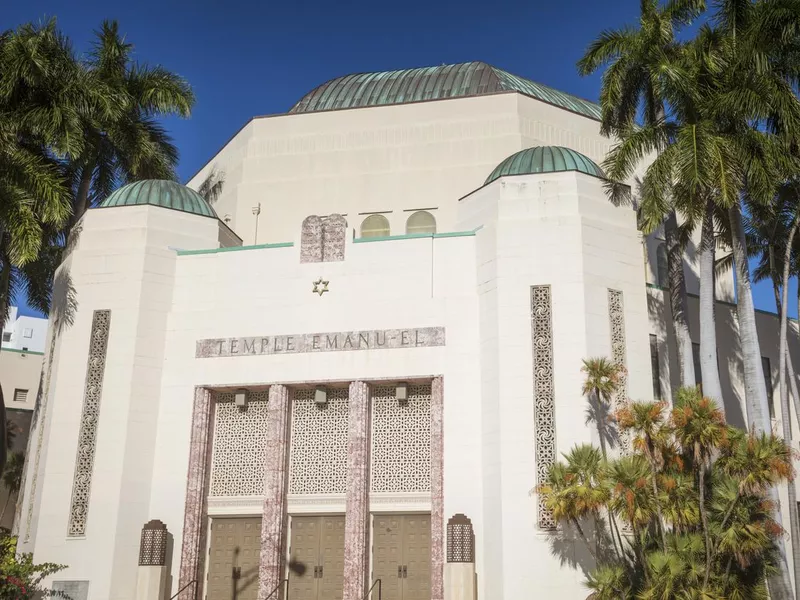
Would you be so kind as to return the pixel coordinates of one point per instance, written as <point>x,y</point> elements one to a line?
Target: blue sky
<point>246,58</point>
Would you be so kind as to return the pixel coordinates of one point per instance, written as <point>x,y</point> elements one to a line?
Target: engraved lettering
<point>378,340</point>
<point>290,344</point>
<point>251,347</point>
<point>363,338</point>
<point>219,350</point>
<point>417,341</point>
<point>275,345</point>
<point>234,346</point>
<point>404,338</point>
<point>348,343</point>
<point>315,342</point>
<point>332,342</point>
<point>264,345</point>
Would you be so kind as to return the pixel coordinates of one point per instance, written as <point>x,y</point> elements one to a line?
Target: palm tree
<point>123,140</point>
<point>602,380</point>
<point>700,430</point>
<point>12,478</point>
<point>211,187</point>
<point>636,60</point>
<point>575,489</point>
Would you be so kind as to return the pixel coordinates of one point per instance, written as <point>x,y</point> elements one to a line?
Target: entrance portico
<point>319,463</point>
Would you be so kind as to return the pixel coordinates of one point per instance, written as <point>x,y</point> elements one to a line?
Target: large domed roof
<point>545,159</point>
<point>433,83</point>
<point>159,192</point>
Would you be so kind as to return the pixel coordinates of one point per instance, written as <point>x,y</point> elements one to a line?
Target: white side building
<point>373,387</point>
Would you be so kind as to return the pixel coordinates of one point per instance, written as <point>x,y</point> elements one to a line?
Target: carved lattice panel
<point>460,540</point>
<point>318,452</point>
<point>239,450</point>
<point>616,318</point>
<point>544,411</point>
<point>87,434</point>
<point>153,544</point>
<point>401,440</point>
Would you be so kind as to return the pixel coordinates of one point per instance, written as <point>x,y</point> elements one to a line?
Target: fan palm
<point>636,60</point>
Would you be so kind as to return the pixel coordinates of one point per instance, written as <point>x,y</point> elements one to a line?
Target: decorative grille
<point>153,544</point>
<point>240,445</point>
<point>544,410</point>
<point>460,540</point>
<point>401,440</point>
<point>616,318</point>
<point>318,452</point>
<point>87,435</point>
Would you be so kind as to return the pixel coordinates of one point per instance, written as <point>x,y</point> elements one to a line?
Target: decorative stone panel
<point>87,434</point>
<point>334,230</point>
<point>616,319</point>
<point>544,408</point>
<point>460,540</point>
<point>311,240</point>
<point>401,440</point>
<point>153,544</point>
<point>75,590</point>
<point>318,455</point>
<point>240,441</point>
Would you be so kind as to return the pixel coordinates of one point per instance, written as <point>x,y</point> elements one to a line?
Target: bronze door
<point>317,543</point>
<point>401,556</point>
<point>234,558</point>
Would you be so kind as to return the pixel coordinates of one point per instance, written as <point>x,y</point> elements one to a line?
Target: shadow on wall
<point>571,551</point>
<point>728,352</point>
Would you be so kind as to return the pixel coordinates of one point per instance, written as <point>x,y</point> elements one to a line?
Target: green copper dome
<point>433,83</point>
<point>159,192</point>
<point>545,159</point>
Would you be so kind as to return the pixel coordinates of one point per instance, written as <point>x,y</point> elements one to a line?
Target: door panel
<point>317,542</point>
<point>401,556</point>
<point>417,557</point>
<point>304,548</point>
<point>386,555</point>
<point>235,543</point>
<point>331,585</point>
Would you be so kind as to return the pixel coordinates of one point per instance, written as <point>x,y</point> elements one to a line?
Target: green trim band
<point>414,236</point>
<point>22,351</point>
<point>235,249</point>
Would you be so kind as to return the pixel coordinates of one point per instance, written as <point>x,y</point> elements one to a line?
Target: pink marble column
<point>274,517</point>
<point>356,523</point>
<point>437,489</point>
<point>195,519</point>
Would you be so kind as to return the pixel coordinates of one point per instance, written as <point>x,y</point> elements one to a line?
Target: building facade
<point>360,383</point>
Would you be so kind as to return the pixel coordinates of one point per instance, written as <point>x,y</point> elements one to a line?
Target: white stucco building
<point>368,375</point>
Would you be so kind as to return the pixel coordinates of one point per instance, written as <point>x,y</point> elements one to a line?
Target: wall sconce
<point>402,392</point>
<point>240,398</point>
<point>321,395</point>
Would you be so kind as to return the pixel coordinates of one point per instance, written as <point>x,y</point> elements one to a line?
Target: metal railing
<point>192,582</point>
<point>277,587</point>
<point>369,591</point>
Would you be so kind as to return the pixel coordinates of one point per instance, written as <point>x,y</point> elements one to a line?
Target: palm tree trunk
<point>5,506</point>
<point>583,537</point>
<point>791,375</point>
<point>677,298</point>
<point>82,196</point>
<point>701,483</point>
<point>786,420</point>
<point>754,387</point>
<point>708,328</point>
<point>661,527</point>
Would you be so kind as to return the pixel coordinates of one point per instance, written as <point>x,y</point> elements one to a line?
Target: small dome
<point>160,192</point>
<point>545,159</point>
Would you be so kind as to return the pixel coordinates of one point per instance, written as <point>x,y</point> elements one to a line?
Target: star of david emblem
<point>320,286</point>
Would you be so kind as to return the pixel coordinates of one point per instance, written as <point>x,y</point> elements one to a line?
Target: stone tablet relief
<point>76,590</point>
<point>373,339</point>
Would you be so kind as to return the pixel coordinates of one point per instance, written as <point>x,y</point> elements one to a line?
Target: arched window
<point>662,267</point>
<point>375,226</point>
<point>421,222</point>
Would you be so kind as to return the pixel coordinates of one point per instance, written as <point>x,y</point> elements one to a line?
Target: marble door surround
<point>274,530</point>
